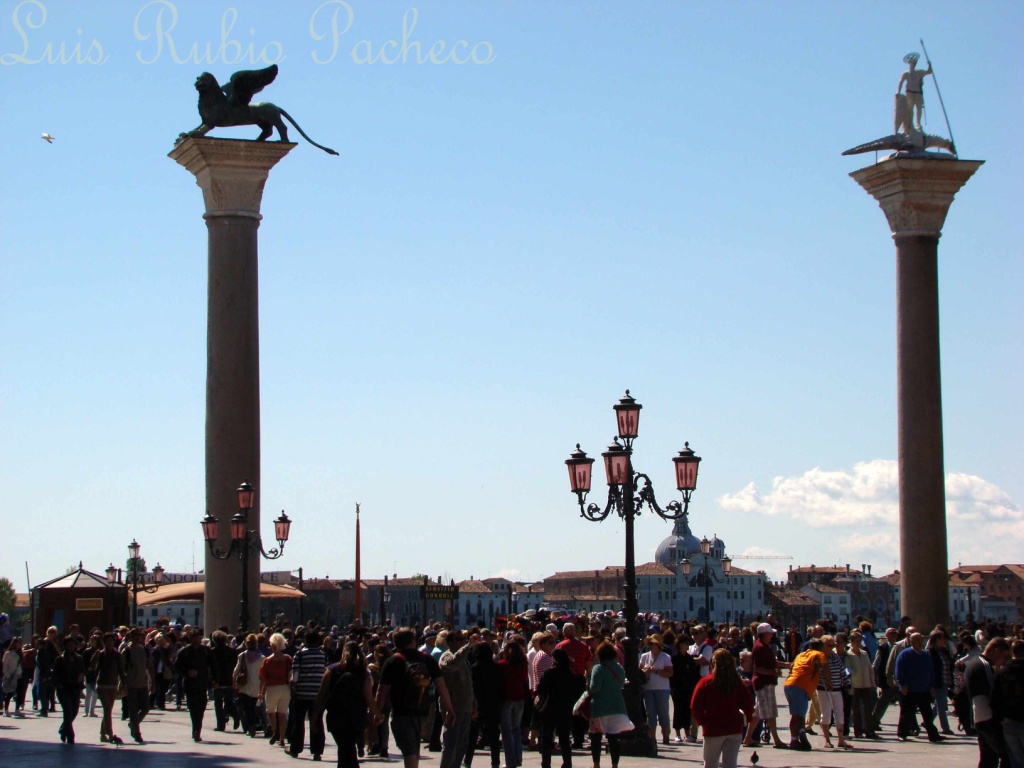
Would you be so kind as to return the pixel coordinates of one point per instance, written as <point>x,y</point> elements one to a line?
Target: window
<point>743,594</point>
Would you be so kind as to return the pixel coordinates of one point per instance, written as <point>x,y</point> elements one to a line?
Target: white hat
<point>765,627</point>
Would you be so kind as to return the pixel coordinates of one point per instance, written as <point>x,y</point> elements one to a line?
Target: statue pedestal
<point>231,174</point>
<point>915,195</point>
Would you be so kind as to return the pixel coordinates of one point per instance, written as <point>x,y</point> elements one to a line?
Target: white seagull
<point>47,138</point>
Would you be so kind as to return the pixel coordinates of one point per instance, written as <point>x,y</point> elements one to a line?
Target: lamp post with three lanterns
<point>133,578</point>
<point>245,541</point>
<point>627,500</point>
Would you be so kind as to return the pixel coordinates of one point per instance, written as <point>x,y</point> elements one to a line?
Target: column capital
<point>915,193</point>
<point>231,172</point>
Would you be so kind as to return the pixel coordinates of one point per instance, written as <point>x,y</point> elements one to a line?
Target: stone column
<point>231,174</point>
<point>915,195</point>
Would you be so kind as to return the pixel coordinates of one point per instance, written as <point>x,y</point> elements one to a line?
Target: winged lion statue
<point>229,105</point>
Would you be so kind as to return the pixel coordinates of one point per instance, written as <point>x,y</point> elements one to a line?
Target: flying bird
<point>47,138</point>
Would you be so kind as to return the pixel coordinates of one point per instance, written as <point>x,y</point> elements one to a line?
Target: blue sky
<point>622,195</point>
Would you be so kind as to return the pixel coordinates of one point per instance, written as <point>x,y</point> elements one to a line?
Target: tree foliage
<point>6,596</point>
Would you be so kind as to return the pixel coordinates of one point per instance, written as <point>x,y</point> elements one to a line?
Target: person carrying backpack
<point>405,681</point>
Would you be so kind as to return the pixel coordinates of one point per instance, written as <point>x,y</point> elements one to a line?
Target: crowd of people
<point>542,685</point>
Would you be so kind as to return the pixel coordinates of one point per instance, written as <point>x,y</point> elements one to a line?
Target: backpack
<point>419,688</point>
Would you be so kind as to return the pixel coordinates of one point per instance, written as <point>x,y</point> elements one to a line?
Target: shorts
<point>407,734</point>
<point>765,704</point>
<point>276,697</point>
<point>798,700</point>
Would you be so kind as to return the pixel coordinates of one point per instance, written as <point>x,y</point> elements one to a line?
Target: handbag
<point>582,706</point>
<point>122,690</point>
<point>240,677</point>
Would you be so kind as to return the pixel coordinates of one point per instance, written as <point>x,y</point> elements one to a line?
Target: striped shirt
<point>838,675</point>
<point>540,664</point>
<point>308,672</point>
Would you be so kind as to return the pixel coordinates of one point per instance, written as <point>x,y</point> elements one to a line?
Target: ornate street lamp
<point>245,541</point>
<point>133,578</point>
<point>627,500</point>
<point>706,574</point>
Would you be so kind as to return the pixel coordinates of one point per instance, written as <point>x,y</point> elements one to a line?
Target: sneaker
<point>677,740</point>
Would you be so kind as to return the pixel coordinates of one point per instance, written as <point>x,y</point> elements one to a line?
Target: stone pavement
<point>32,742</point>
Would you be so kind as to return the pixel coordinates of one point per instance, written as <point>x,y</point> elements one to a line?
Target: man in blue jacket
<point>915,676</point>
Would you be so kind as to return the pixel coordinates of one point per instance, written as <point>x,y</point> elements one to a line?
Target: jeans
<point>197,702</point>
<point>346,737</point>
<point>297,735</point>
<point>886,696</point>
<point>69,701</point>
<point>991,745</point>
<point>487,724</point>
<point>941,705</point>
<point>224,706</point>
<point>862,707</point>
<point>919,701</point>
<point>251,720</point>
<point>656,703</point>
<point>136,702</point>
<point>512,732</point>
<point>1013,732</point>
<point>90,699</point>
<point>46,697</point>
<point>722,750</point>
<point>454,741</point>
<point>107,696</point>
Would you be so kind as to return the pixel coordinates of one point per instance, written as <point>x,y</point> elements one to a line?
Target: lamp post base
<point>638,742</point>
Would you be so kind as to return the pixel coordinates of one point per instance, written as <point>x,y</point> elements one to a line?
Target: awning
<point>196,591</point>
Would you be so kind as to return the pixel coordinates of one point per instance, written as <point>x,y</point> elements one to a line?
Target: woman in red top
<point>717,703</point>
<point>515,681</point>
<point>275,688</point>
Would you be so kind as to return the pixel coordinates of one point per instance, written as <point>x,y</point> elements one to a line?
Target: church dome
<point>681,544</point>
<point>717,547</point>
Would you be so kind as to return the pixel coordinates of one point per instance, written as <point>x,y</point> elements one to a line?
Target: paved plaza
<point>32,742</point>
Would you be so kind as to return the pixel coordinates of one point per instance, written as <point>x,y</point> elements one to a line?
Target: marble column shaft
<point>915,195</point>
<point>231,174</point>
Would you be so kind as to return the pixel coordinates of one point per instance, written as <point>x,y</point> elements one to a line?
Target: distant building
<point>870,597</point>
<point>663,589</point>
<point>792,607</point>
<point>833,602</point>
<point>980,592</point>
<point>819,574</point>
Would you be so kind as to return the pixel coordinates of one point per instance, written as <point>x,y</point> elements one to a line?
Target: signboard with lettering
<point>439,592</point>
<point>89,604</point>
<point>267,577</point>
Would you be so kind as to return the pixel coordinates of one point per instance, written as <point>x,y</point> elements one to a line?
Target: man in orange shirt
<point>800,686</point>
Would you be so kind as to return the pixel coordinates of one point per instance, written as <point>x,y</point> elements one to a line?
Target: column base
<point>639,742</point>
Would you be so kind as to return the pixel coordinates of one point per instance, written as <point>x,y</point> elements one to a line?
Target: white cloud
<point>867,494</point>
<point>862,506</point>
